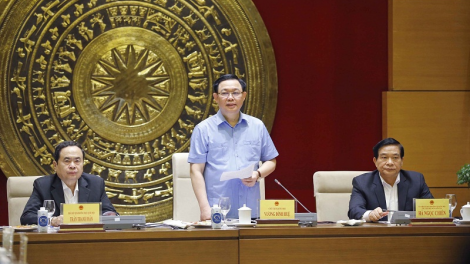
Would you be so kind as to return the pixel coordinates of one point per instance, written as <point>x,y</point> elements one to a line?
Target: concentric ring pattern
<point>129,80</point>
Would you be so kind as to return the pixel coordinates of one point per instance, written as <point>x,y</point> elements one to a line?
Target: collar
<point>221,119</point>
<point>397,181</point>
<point>65,187</point>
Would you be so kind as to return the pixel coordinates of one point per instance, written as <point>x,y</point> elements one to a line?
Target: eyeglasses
<point>67,161</point>
<point>227,94</point>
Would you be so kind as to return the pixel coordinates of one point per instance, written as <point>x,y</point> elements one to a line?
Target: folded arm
<point>358,205</point>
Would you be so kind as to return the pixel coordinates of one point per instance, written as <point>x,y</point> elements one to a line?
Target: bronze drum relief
<point>129,80</point>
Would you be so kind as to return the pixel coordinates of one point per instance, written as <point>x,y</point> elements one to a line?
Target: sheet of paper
<point>240,174</point>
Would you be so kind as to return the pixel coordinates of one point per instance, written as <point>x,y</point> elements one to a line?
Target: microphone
<point>291,195</point>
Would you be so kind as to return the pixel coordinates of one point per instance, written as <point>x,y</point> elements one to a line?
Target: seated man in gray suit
<point>68,185</point>
<point>389,187</point>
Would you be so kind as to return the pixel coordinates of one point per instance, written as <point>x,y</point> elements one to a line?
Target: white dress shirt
<point>69,197</point>
<point>391,196</point>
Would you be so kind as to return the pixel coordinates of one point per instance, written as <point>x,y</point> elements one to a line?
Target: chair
<point>185,205</point>
<point>332,191</point>
<point>19,189</point>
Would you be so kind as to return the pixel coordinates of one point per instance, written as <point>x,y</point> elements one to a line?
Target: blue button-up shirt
<point>225,148</point>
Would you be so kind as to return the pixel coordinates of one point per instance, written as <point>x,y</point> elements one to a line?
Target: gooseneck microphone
<point>291,195</point>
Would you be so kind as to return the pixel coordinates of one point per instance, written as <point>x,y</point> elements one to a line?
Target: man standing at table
<point>229,141</point>
<point>68,185</point>
<point>388,187</point>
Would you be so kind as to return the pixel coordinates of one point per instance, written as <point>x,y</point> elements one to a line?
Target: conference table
<point>325,243</point>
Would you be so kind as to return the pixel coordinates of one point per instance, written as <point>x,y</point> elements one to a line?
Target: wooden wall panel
<point>429,72</point>
<point>429,44</point>
<point>434,128</point>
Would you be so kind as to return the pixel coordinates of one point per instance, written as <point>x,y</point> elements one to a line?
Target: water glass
<point>452,203</point>
<point>49,205</point>
<point>8,234</point>
<point>23,249</point>
<point>224,204</point>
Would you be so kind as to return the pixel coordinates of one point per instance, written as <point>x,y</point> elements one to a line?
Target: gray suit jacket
<point>368,192</point>
<point>90,189</point>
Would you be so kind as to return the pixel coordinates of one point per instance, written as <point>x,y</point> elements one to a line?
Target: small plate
<point>25,228</point>
<point>463,222</point>
<point>352,222</point>
<point>244,225</point>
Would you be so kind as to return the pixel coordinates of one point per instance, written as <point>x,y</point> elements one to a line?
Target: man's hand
<point>206,214</point>
<point>109,213</point>
<point>376,214</point>
<point>57,220</point>
<point>251,181</point>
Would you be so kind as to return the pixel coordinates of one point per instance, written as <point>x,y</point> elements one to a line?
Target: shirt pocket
<point>218,149</point>
<point>217,145</point>
<point>252,149</point>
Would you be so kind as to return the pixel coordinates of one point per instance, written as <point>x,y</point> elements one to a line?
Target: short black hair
<point>386,142</point>
<point>65,144</point>
<point>228,77</point>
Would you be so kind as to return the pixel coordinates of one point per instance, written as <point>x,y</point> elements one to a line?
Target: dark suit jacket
<point>90,189</point>
<point>368,192</point>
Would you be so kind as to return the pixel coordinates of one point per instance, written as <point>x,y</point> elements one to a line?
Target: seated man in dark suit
<point>68,185</point>
<point>387,188</point>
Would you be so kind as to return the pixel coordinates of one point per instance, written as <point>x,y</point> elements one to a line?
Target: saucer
<point>203,224</point>
<point>25,228</point>
<point>351,222</point>
<point>463,222</point>
<point>244,225</point>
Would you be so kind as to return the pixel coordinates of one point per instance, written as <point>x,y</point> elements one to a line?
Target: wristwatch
<point>259,175</point>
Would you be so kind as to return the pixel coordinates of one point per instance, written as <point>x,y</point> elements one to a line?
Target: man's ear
<point>244,95</point>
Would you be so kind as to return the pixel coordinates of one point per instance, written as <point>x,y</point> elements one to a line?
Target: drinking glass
<point>7,243</point>
<point>452,203</point>
<point>23,249</point>
<point>49,205</point>
<point>224,204</point>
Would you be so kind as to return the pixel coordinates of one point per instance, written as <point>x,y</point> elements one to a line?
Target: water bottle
<point>216,217</point>
<point>42,220</point>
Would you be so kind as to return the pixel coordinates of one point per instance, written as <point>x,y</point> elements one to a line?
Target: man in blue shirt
<point>229,141</point>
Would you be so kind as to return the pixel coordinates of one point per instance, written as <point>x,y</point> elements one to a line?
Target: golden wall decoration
<point>129,80</point>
